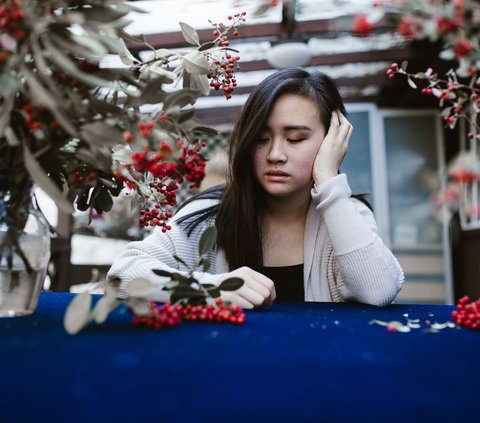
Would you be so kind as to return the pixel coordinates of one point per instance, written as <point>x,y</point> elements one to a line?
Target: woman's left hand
<point>333,149</point>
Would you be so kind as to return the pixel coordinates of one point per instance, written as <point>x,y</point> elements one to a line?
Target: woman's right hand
<point>257,290</point>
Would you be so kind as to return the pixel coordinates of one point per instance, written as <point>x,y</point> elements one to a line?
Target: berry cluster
<point>83,175</point>
<point>467,313</point>
<point>222,70</point>
<point>454,97</point>
<point>392,70</point>
<point>169,315</point>
<point>164,171</point>
<point>34,121</point>
<point>166,315</point>
<point>11,19</point>
<point>214,313</point>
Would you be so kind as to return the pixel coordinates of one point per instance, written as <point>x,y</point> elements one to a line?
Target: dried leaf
<point>103,307</point>
<point>43,181</point>
<point>196,62</point>
<point>139,287</point>
<point>11,137</point>
<point>378,322</point>
<point>200,83</point>
<point>102,133</point>
<point>126,57</point>
<point>411,83</point>
<point>77,315</point>
<point>189,33</point>
<point>179,99</point>
<point>139,306</point>
<point>205,130</point>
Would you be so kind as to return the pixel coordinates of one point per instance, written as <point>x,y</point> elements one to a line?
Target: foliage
<point>455,25</point>
<point>189,298</point>
<point>79,129</point>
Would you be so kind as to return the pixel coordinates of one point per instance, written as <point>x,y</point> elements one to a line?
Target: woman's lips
<point>276,175</point>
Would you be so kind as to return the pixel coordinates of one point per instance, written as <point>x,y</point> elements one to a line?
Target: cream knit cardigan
<point>344,258</point>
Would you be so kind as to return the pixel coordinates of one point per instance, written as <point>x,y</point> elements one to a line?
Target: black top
<point>288,281</point>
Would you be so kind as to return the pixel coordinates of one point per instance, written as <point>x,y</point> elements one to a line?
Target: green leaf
<point>206,46</point>
<point>188,292</point>
<point>161,272</point>
<point>404,65</point>
<point>101,199</point>
<point>205,264</point>
<point>207,240</point>
<point>182,279</point>
<point>82,200</point>
<point>43,181</point>
<point>231,284</point>
<point>180,260</point>
<point>189,33</point>
<point>214,293</point>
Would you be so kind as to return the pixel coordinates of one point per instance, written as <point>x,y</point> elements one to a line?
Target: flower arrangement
<point>79,129</point>
<point>454,24</point>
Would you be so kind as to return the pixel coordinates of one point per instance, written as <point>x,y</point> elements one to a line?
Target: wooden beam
<point>272,31</point>
<point>360,81</point>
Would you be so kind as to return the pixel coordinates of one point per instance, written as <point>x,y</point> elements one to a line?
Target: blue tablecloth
<point>307,362</point>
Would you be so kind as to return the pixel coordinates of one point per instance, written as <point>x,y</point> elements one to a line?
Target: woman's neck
<point>287,209</point>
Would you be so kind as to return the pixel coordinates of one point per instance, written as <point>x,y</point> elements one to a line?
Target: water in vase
<point>19,291</point>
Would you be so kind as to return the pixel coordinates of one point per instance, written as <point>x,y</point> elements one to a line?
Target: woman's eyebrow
<point>291,128</point>
<point>297,128</point>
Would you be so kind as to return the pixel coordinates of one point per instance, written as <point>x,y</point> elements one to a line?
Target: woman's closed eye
<point>263,139</point>
<point>296,139</point>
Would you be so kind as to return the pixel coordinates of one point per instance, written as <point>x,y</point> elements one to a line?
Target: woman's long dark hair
<point>240,212</point>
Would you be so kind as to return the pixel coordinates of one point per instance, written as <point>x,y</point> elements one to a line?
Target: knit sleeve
<point>367,270</point>
<point>159,251</point>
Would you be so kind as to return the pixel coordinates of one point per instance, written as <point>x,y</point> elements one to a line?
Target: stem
<point>12,236</point>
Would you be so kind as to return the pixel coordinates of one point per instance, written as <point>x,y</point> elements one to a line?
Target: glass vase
<point>24,251</point>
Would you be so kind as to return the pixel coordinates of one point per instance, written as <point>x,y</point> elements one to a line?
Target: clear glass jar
<point>24,252</point>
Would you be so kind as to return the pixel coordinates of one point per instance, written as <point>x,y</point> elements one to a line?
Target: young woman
<point>287,222</point>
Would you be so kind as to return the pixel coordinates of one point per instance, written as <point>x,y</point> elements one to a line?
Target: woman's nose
<point>276,152</point>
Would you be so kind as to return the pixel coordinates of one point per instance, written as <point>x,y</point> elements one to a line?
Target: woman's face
<point>284,155</point>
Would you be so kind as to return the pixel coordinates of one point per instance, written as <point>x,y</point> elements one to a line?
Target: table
<point>307,362</point>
